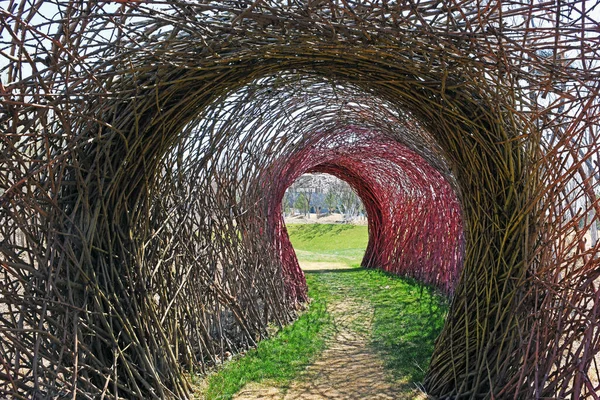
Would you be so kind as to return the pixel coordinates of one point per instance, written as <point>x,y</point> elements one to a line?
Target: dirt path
<point>347,369</point>
<point>321,266</point>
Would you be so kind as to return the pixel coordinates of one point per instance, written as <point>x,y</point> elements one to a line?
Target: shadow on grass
<point>404,332</point>
<point>407,316</point>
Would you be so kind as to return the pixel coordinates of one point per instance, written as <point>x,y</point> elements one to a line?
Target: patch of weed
<point>407,316</point>
<point>329,239</point>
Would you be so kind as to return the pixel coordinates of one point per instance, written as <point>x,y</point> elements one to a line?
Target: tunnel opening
<point>315,196</point>
<point>320,205</point>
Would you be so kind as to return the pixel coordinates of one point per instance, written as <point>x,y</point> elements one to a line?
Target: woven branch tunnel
<point>415,227</point>
<point>146,147</point>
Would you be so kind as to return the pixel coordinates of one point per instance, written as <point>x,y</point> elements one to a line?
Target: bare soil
<point>321,265</point>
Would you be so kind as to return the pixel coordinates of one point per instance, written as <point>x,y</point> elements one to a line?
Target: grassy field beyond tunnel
<point>336,243</point>
<point>395,320</point>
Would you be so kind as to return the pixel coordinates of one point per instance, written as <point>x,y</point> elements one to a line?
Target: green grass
<point>323,238</point>
<point>328,242</point>
<point>280,358</point>
<point>406,316</point>
<point>406,319</point>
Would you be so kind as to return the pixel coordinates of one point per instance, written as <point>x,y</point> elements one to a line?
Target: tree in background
<point>331,201</point>
<point>288,202</point>
<point>348,201</point>
<point>323,190</point>
<point>301,203</point>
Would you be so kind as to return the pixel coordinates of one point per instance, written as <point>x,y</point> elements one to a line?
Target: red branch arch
<point>415,225</point>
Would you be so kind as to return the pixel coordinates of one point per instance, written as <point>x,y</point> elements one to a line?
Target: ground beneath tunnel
<point>349,368</point>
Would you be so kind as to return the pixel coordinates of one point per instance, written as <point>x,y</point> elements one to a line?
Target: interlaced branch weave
<point>145,148</point>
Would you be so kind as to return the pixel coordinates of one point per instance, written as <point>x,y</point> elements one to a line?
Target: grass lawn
<point>327,242</point>
<point>406,316</point>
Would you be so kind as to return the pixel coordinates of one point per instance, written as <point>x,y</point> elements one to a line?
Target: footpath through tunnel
<point>376,330</point>
<point>145,149</point>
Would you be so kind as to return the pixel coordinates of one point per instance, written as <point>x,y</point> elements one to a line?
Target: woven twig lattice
<point>145,149</point>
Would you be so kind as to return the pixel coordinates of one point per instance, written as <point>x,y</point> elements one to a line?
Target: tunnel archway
<point>108,224</point>
<point>415,226</point>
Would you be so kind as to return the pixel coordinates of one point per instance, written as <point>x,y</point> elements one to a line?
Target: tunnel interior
<point>148,147</point>
<point>414,219</point>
